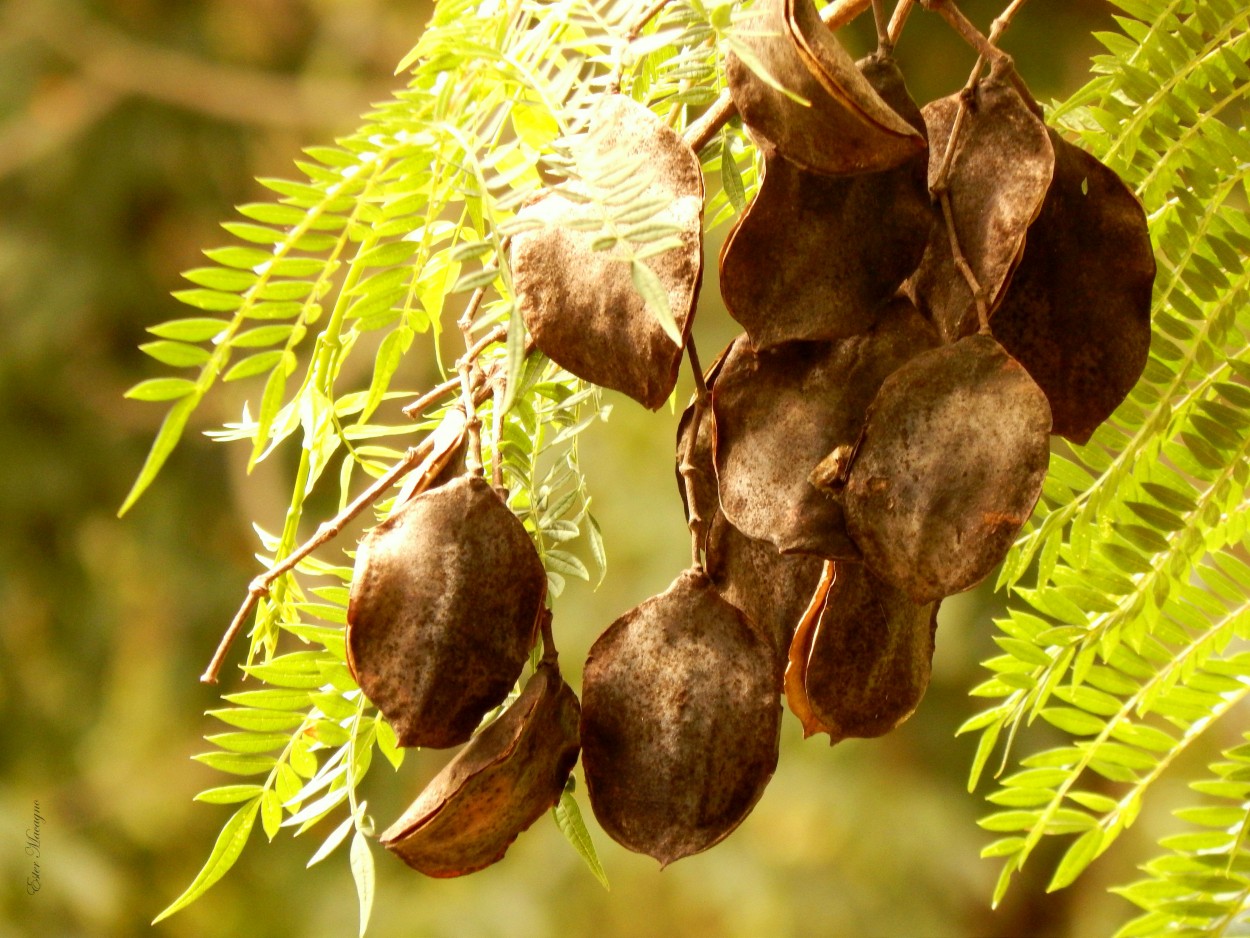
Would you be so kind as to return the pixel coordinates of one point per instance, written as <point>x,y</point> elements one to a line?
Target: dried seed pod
<point>1002,167</point>
<point>1077,312</point>
<point>845,127</point>
<point>444,603</point>
<point>582,306</point>
<point>779,412</point>
<point>497,786</point>
<point>861,667</point>
<point>950,465</point>
<point>771,588</point>
<point>680,721</point>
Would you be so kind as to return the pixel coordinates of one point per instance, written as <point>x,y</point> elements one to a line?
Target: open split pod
<point>443,612</point>
<point>584,307</point>
<point>680,721</point>
<point>952,460</point>
<point>781,411</point>
<point>496,787</point>
<point>841,125</point>
<point>861,659</point>
<point>815,257</point>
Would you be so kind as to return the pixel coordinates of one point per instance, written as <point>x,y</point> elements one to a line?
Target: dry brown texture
<point>779,412</point>
<point>998,180</point>
<point>847,128</point>
<point>1077,312</point>
<point>680,721</point>
<point>864,666</point>
<point>814,257</point>
<point>581,306</point>
<point>444,603</point>
<point>771,588</point>
<point>702,470</point>
<point>496,787</point>
<point>952,462</point>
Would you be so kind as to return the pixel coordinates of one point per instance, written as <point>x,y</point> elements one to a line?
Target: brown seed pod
<point>771,588</point>
<point>680,721</point>
<point>1002,167</point>
<point>779,412</point>
<point>582,306</point>
<point>1077,312</point>
<point>444,603</point>
<point>951,463</point>
<point>861,667</point>
<point>497,786</point>
<point>845,127</point>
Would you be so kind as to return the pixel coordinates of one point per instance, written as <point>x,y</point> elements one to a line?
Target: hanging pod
<point>1077,312</point>
<point>444,605</point>
<point>1002,167</point>
<point>781,411</point>
<point>771,588</point>
<point>496,787</point>
<point>951,463</point>
<point>860,667</point>
<point>815,257</point>
<point>584,307</point>
<point>841,125</point>
<point>680,721</point>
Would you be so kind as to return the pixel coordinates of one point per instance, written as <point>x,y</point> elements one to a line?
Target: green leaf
<point>1071,720</point>
<point>363,874</point>
<point>259,720</point>
<point>230,844</point>
<point>161,389</point>
<point>1080,855</point>
<point>731,176</point>
<point>236,763</point>
<point>568,818</point>
<point>254,365</point>
<point>271,813</point>
<point>331,843</point>
<point>176,354</point>
<point>166,439</point>
<point>213,301</point>
<point>656,297</point>
<point>229,794</point>
<point>189,330</point>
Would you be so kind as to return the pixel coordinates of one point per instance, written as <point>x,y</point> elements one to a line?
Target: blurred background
<point>128,130</point>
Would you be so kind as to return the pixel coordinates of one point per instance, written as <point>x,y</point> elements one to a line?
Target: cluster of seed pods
<point>927,295</point>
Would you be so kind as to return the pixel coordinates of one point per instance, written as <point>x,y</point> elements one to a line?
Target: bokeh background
<point>128,130</point>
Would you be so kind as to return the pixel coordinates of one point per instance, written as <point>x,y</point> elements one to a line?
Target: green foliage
<point>1131,593</point>
<point>390,232</point>
<point>1130,588</point>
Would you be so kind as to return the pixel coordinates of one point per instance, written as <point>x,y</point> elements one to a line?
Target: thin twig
<point>499,390</point>
<point>899,19</point>
<point>430,455</point>
<point>940,188</point>
<point>439,391</point>
<point>687,466</point>
<point>884,46</point>
<point>700,133</point>
<point>470,375</point>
